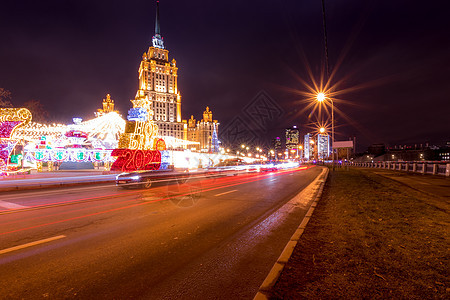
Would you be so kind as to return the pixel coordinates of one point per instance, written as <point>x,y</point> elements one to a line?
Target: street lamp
<point>321,97</point>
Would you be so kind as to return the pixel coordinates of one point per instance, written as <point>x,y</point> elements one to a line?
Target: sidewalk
<point>371,237</point>
<point>46,179</point>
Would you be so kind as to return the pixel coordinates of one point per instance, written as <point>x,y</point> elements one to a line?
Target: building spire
<point>157,29</point>
<point>157,39</point>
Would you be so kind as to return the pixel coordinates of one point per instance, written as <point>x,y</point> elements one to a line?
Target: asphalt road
<point>210,238</point>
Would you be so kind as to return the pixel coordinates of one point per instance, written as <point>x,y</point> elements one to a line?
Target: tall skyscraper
<point>158,86</point>
<point>292,138</point>
<point>292,141</point>
<point>159,95</point>
<point>276,144</point>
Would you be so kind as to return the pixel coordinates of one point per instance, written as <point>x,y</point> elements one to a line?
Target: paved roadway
<point>210,238</point>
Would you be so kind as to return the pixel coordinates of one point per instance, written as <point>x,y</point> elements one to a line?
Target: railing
<point>427,167</point>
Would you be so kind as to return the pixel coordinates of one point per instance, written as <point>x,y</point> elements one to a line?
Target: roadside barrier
<point>425,167</point>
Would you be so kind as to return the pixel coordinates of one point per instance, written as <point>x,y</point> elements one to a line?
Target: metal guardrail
<point>433,168</point>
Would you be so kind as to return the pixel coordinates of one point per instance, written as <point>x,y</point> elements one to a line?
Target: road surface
<point>210,238</point>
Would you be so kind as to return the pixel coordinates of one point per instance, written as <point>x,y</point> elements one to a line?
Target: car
<point>146,179</point>
<point>268,167</point>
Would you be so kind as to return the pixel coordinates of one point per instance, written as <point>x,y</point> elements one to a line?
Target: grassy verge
<point>370,238</point>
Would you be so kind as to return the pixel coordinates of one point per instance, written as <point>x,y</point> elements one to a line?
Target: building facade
<point>204,132</point>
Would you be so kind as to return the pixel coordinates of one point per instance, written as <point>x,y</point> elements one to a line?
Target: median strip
<point>31,244</point>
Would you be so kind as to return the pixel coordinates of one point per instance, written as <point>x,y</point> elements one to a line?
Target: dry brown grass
<point>370,238</point>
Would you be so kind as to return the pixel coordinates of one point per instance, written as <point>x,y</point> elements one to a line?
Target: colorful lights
<point>10,120</point>
<point>71,154</point>
<point>132,160</point>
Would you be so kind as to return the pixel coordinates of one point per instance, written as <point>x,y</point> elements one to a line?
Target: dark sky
<point>69,54</point>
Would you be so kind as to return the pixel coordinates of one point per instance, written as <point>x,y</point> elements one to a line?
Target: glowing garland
<point>132,160</point>
<point>10,120</point>
<point>72,154</point>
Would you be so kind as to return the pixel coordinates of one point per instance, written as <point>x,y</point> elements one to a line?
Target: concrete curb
<point>51,185</point>
<point>275,272</point>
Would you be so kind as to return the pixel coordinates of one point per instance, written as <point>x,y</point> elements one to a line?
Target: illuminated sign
<point>132,160</point>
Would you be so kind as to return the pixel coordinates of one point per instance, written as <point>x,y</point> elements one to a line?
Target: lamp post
<point>321,97</point>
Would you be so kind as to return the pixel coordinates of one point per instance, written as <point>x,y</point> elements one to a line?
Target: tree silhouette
<point>5,98</point>
<point>39,113</point>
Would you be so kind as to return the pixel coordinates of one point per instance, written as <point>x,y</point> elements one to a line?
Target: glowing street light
<point>321,97</point>
<point>322,130</point>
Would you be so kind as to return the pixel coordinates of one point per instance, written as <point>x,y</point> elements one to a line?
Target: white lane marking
<point>31,244</point>
<point>226,193</point>
<point>10,205</point>
<point>273,179</point>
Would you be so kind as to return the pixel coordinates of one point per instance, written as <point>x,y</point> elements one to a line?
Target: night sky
<point>70,54</point>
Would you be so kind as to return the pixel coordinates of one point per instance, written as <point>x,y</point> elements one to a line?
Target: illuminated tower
<point>292,141</point>
<point>323,146</point>
<point>158,86</point>
<point>108,106</point>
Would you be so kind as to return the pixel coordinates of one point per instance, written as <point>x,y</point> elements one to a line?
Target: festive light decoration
<point>71,154</point>
<point>139,147</point>
<point>140,130</point>
<point>34,131</point>
<point>10,120</point>
<point>105,130</point>
<point>132,160</point>
<point>137,114</point>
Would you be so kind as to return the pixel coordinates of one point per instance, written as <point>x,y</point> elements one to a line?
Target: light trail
<point>255,178</point>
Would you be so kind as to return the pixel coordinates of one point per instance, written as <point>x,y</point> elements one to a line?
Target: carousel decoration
<point>10,120</point>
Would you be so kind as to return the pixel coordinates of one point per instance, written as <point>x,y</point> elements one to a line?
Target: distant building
<point>204,132</point>
<point>277,147</point>
<point>376,149</point>
<point>308,146</point>
<point>292,138</point>
<point>292,141</point>
<point>108,106</point>
<point>416,152</point>
<point>323,146</point>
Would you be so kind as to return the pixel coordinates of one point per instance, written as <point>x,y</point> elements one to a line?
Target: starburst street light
<point>321,97</point>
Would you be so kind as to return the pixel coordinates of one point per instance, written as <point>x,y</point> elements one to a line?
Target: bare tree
<point>5,98</point>
<point>39,113</point>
